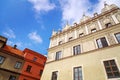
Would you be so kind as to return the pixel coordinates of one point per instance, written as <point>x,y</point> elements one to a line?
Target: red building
<point>33,65</point>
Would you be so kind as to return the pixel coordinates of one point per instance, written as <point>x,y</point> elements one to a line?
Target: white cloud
<point>42,5</point>
<point>100,5</point>
<point>9,33</point>
<point>72,10</point>
<point>35,37</point>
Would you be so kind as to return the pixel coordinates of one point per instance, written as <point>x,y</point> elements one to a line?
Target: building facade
<point>88,50</point>
<point>16,64</point>
<point>33,66</point>
<point>10,63</point>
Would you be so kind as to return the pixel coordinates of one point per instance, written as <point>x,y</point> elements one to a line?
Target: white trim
<point>96,45</point>
<point>86,29</point>
<point>115,19</point>
<point>99,24</point>
<point>106,78</point>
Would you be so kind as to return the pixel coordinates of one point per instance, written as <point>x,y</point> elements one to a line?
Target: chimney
<point>15,46</point>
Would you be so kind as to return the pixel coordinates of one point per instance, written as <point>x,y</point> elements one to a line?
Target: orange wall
<point>35,70</point>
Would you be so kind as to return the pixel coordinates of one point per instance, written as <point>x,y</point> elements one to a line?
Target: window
<point>117,35</point>
<point>78,73</point>
<point>102,42</point>
<point>108,25</point>
<point>58,55</point>
<point>111,69</point>
<point>28,68</point>
<point>54,75</point>
<point>41,71</point>
<point>60,42</point>
<point>81,34</point>
<point>12,77</point>
<point>70,38</point>
<point>76,50</point>
<point>18,65</point>
<point>2,59</point>
<point>93,30</point>
<point>34,59</point>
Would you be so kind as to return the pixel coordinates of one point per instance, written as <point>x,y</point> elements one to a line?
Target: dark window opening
<point>54,75</point>
<point>102,42</point>
<point>117,35</point>
<point>111,69</point>
<point>28,69</point>
<point>76,50</point>
<point>108,25</point>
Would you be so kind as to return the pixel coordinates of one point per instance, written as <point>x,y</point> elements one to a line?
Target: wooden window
<point>18,64</point>
<point>93,30</point>
<point>111,69</point>
<point>102,42</point>
<point>2,59</point>
<point>34,59</point>
<point>12,77</point>
<point>81,34</point>
<point>58,55</point>
<point>78,73</point>
<point>28,69</point>
<point>54,75</point>
<point>76,50</point>
<point>108,25</point>
<point>117,35</point>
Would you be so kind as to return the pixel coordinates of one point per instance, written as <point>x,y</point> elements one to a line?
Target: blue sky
<point>29,23</point>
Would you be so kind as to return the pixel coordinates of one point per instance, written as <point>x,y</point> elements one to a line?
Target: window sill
<point>114,78</point>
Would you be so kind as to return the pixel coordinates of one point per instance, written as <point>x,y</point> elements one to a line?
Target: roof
<point>13,50</point>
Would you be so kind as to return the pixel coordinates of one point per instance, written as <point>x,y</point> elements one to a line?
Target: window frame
<point>110,67</point>
<point>2,59</point>
<point>18,65</point>
<point>12,76</point>
<point>34,58</point>
<point>58,55</point>
<point>81,34</point>
<point>79,77</point>
<point>93,30</point>
<point>53,73</point>
<point>28,69</point>
<point>107,25</point>
<point>76,50</point>
<point>116,36</point>
<point>100,43</point>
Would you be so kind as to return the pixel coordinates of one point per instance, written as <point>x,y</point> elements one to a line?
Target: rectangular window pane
<point>18,64</point>
<point>2,59</point>
<point>54,75</point>
<point>118,37</point>
<point>58,55</point>
<point>76,50</point>
<point>78,73</point>
<point>111,69</point>
<point>102,42</point>
<point>28,69</point>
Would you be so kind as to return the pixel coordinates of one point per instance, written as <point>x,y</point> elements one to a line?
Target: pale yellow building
<point>89,50</point>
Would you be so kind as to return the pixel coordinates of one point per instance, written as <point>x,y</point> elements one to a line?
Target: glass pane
<point>108,69</point>
<point>118,37</point>
<point>106,63</point>
<point>99,43</point>
<point>114,68</point>
<point>112,62</point>
<point>117,74</point>
<point>110,75</point>
<point>104,42</point>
